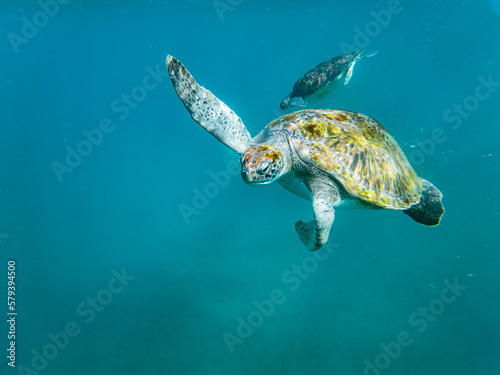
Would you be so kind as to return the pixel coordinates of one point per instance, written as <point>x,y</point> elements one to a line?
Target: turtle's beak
<point>252,178</point>
<point>247,176</point>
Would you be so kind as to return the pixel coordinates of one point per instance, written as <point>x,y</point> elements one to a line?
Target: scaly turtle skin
<point>320,80</point>
<point>330,157</point>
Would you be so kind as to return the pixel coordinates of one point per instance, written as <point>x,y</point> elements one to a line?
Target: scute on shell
<point>355,150</point>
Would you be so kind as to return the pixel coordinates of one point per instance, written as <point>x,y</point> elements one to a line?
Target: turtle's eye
<point>264,167</point>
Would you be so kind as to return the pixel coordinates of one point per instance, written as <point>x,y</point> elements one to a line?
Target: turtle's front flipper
<point>314,234</point>
<point>207,110</point>
<point>297,101</point>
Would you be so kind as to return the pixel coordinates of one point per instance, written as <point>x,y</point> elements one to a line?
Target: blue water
<point>112,278</point>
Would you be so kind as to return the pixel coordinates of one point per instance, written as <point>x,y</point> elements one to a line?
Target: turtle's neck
<point>280,140</point>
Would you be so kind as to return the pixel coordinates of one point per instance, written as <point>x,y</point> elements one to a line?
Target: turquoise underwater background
<point>138,248</point>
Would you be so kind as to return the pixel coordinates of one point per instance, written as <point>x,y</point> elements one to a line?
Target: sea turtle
<point>330,157</point>
<point>320,80</point>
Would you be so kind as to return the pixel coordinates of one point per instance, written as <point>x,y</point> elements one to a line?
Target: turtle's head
<point>285,103</point>
<point>261,164</point>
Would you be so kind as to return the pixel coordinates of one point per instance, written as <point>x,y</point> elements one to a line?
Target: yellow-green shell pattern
<point>356,151</point>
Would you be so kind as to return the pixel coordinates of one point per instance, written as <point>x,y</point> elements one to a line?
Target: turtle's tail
<point>430,208</point>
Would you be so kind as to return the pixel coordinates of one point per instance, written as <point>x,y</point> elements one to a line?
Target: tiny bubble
<point>470,275</point>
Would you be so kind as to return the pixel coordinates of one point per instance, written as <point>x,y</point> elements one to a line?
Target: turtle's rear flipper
<point>430,209</point>
<point>369,54</point>
<point>348,74</point>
